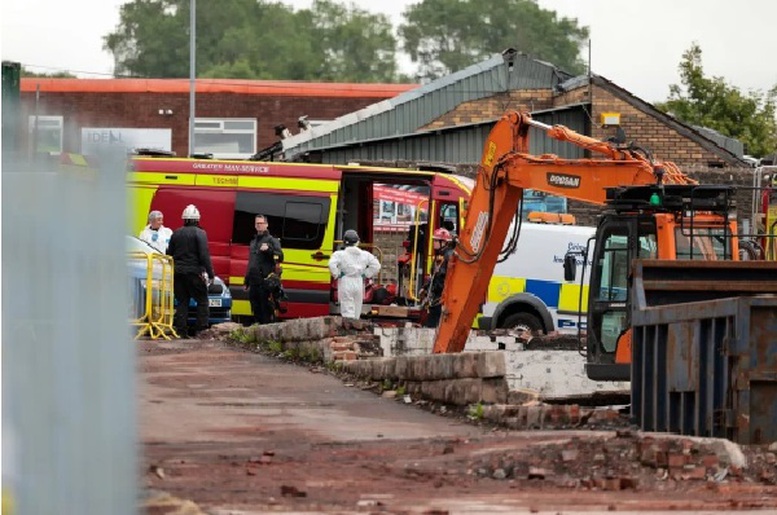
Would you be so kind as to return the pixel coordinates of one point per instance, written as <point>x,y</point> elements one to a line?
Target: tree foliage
<point>445,36</point>
<point>254,39</point>
<point>711,102</point>
<point>24,72</point>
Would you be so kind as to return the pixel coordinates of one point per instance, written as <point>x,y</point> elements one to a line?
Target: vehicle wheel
<point>523,322</point>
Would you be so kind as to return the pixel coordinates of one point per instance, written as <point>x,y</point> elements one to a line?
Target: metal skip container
<point>707,369</point>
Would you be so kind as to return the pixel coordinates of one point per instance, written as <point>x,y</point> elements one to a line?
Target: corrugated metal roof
<point>409,111</point>
<point>461,144</point>
<point>734,146</point>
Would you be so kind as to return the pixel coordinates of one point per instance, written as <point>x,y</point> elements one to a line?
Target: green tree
<point>48,75</point>
<point>254,39</point>
<point>358,46</point>
<point>445,36</point>
<point>712,103</point>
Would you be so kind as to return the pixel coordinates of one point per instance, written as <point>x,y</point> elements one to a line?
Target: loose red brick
<point>710,461</point>
<point>694,472</point>
<point>344,355</point>
<point>675,460</point>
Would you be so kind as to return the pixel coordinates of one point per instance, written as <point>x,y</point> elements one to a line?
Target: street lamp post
<point>192,71</point>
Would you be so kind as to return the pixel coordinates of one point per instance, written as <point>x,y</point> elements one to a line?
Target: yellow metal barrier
<point>153,302</point>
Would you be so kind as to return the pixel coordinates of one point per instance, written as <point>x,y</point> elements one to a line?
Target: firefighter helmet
<point>191,213</point>
<point>442,234</point>
<point>350,237</point>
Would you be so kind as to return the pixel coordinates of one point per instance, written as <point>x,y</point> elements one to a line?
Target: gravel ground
<point>229,431</point>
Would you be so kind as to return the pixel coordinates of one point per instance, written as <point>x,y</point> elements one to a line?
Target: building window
<point>225,138</point>
<point>46,134</point>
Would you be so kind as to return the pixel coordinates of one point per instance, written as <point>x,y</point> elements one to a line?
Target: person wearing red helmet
<point>442,240</point>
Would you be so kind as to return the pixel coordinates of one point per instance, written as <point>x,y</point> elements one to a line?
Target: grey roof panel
<point>732,145</point>
<point>413,109</point>
<point>462,144</point>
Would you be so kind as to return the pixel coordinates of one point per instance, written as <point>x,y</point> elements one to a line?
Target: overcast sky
<point>636,44</point>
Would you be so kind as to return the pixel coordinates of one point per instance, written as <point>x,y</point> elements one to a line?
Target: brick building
<point>235,118</point>
<point>448,120</point>
<point>444,122</point>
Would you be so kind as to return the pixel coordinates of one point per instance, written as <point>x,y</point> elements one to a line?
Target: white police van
<point>528,291</point>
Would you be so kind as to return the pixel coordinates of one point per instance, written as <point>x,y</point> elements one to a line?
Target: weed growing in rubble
<point>386,385</point>
<point>335,366</point>
<point>401,390</point>
<point>273,346</point>
<point>241,336</point>
<point>310,354</point>
<point>475,411</point>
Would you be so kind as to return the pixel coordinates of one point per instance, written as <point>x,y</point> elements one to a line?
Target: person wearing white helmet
<point>442,240</point>
<point>350,266</point>
<point>155,233</point>
<point>193,271</point>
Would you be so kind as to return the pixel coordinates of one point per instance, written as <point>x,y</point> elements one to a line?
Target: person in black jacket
<point>432,290</point>
<point>193,271</point>
<point>262,274</point>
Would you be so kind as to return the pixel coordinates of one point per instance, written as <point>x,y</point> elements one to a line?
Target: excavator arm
<point>505,171</point>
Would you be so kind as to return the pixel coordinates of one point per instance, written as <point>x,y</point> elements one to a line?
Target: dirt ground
<point>226,431</point>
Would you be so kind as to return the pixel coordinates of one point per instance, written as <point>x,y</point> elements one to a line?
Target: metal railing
<point>153,301</point>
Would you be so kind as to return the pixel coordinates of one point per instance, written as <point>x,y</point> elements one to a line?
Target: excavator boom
<point>505,171</point>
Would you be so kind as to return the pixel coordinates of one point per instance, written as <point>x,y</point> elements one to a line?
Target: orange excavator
<point>651,210</point>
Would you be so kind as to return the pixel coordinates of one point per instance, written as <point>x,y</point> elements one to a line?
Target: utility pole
<point>192,69</point>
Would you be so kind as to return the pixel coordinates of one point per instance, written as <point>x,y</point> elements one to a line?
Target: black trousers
<point>262,305</point>
<point>433,316</point>
<point>186,287</point>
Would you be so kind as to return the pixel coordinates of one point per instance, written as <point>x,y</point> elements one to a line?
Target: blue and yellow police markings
<point>564,297</point>
<point>502,287</point>
<point>569,299</point>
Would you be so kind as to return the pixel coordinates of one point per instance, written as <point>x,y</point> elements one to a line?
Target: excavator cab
<point>671,222</point>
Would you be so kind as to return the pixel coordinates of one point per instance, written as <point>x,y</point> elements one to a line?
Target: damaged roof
<point>405,114</point>
<point>411,110</point>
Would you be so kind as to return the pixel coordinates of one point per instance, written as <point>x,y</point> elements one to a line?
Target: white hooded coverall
<point>350,266</point>
<point>158,239</point>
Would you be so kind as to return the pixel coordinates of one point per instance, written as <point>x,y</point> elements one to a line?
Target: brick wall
<point>580,95</point>
<point>142,111</point>
<point>742,178</point>
<point>647,131</point>
<point>493,107</point>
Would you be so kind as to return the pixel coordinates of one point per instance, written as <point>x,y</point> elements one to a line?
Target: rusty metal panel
<point>658,282</point>
<point>707,368</point>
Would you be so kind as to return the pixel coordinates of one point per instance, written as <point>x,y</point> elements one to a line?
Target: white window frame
<point>51,123</point>
<point>218,127</point>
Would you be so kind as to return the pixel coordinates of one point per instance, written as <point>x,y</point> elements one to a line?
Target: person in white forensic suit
<point>350,266</point>
<point>155,233</point>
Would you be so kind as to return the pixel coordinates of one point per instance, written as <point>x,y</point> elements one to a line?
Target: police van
<point>528,291</point>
